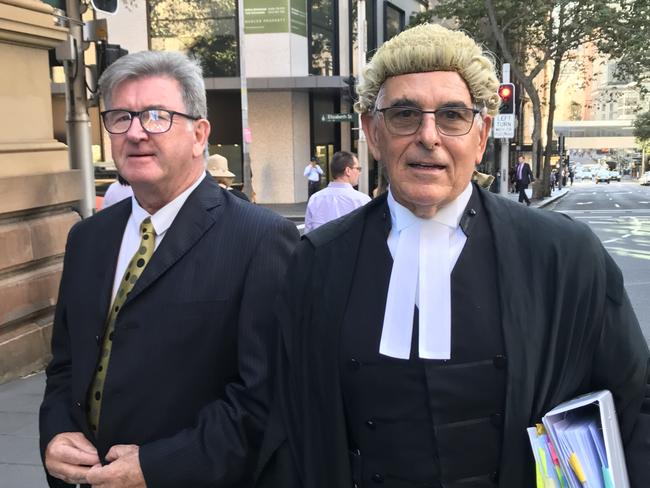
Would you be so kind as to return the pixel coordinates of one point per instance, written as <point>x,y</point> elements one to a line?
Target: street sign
<point>504,126</point>
<point>336,118</point>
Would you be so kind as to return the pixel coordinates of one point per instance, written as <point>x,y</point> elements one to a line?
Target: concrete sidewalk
<point>20,461</point>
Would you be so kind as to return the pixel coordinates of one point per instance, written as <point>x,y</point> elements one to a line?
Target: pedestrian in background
<point>339,198</point>
<point>426,331</point>
<point>116,192</point>
<point>313,172</point>
<point>553,179</point>
<point>163,332</point>
<point>524,176</point>
<point>218,168</point>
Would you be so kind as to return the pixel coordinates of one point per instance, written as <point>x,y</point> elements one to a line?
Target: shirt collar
<point>339,184</point>
<point>164,217</point>
<point>449,215</point>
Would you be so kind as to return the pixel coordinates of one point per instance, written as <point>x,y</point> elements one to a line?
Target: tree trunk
<point>544,186</point>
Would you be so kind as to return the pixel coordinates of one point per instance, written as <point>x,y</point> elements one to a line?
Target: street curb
<point>549,200</point>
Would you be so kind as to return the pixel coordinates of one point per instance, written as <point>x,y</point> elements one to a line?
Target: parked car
<point>614,176</point>
<point>645,178</point>
<point>602,176</point>
<point>583,175</point>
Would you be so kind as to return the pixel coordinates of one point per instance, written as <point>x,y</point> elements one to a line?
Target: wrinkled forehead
<point>424,88</point>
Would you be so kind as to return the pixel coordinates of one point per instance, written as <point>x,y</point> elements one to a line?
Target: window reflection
<point>206,29</point>
<point>323,37</point>
<point>394,23</point>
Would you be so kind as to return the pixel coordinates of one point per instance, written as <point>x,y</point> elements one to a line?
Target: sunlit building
<point>298,56</point>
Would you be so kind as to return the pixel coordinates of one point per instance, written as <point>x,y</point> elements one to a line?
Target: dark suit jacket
<point>526,176</point>
<point>187,379</point>
<point>567,323</point>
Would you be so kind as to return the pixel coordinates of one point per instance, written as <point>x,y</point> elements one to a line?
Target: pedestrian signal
<point>507,95</point>
<point>108,6</point>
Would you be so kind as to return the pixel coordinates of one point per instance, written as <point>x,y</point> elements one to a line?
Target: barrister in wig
<point>424,332</point>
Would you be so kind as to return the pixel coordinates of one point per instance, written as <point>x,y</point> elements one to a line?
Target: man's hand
<point>69,456</point>
<point>123,471</point>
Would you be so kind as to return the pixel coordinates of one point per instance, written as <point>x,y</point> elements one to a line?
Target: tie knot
<point>146,228</point>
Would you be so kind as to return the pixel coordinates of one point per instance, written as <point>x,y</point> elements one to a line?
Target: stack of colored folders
<point>579,445</point>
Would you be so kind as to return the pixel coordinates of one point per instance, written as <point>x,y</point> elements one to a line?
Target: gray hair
<point>431,47</point>
<point>177,66</point>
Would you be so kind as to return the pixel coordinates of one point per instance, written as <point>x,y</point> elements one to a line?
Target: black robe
<point>567,323</point>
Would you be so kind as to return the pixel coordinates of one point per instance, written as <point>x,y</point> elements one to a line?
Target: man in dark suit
<point>163,327</point>
<point>523,178</point>
<point>424,332</point>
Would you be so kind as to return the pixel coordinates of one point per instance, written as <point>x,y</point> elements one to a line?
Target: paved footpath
<point>20,463</point>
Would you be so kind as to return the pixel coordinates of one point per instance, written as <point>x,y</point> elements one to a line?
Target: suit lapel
<point>106,248</point>
<point>197,215</point>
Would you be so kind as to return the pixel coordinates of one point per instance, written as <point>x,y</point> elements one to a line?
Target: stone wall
<point>37,188</point>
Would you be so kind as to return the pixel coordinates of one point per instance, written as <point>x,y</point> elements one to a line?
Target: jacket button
<point>499,361</point>
<point>77,404</point>
<point>354,365</point>
<point>370,424</point>
<point>377,478</point>
<point>471,212</point>
<point>496,419</point>
<point>97,340</point>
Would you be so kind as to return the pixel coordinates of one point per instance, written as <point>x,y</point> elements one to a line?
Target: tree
<point>542,33</point>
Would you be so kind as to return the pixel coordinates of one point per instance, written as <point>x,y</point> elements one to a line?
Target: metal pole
<point>77,120</point>
<point>361,62</point>
<point>505,144</point>
<point>246,132</point>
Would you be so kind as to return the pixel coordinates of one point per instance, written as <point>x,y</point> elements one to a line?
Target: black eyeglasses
<point>450,121</point>
<point>153,121</point>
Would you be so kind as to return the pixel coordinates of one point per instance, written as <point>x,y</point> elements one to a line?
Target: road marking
<point>644,202</point>
<point>617,205</point>
<point>584,203</point>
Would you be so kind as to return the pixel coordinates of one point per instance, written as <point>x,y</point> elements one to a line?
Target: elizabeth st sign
<point>336,117</point>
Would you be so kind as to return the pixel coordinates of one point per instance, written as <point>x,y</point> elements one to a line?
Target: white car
<point>614,176</point>
<point>645,178</point>
<point>602,176</point>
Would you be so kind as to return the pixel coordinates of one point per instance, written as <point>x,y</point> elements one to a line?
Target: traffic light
<point>108,6</point>
<point>107,54</point>
<point>349,94</point>
<point>507,94</point>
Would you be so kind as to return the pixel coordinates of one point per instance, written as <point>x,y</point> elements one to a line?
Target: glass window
<point>205,28</point>
<point>323,38</point>
<point>393,20</point>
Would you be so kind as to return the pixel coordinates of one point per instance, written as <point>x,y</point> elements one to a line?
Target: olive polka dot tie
<point>131,275</point>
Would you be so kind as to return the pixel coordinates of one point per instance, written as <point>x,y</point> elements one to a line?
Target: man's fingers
<point>68,456</point>
<point>68,473</point>
<point>120,450</point>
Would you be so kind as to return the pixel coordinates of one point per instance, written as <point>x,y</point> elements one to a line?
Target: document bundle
<point>579,445</point>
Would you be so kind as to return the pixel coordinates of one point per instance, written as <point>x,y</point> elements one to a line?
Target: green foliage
<point>642,127</point>
<point>536,31</point>
<point>218,55</point>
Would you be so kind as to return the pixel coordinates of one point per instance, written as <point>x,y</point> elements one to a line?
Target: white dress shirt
<point>313,172</point>
<point>161,221</point>
<point>339,198</point>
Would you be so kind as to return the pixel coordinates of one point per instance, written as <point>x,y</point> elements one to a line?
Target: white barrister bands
<point>424,253</point>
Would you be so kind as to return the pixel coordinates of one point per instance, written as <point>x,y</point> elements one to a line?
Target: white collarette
<point>416,244</point>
